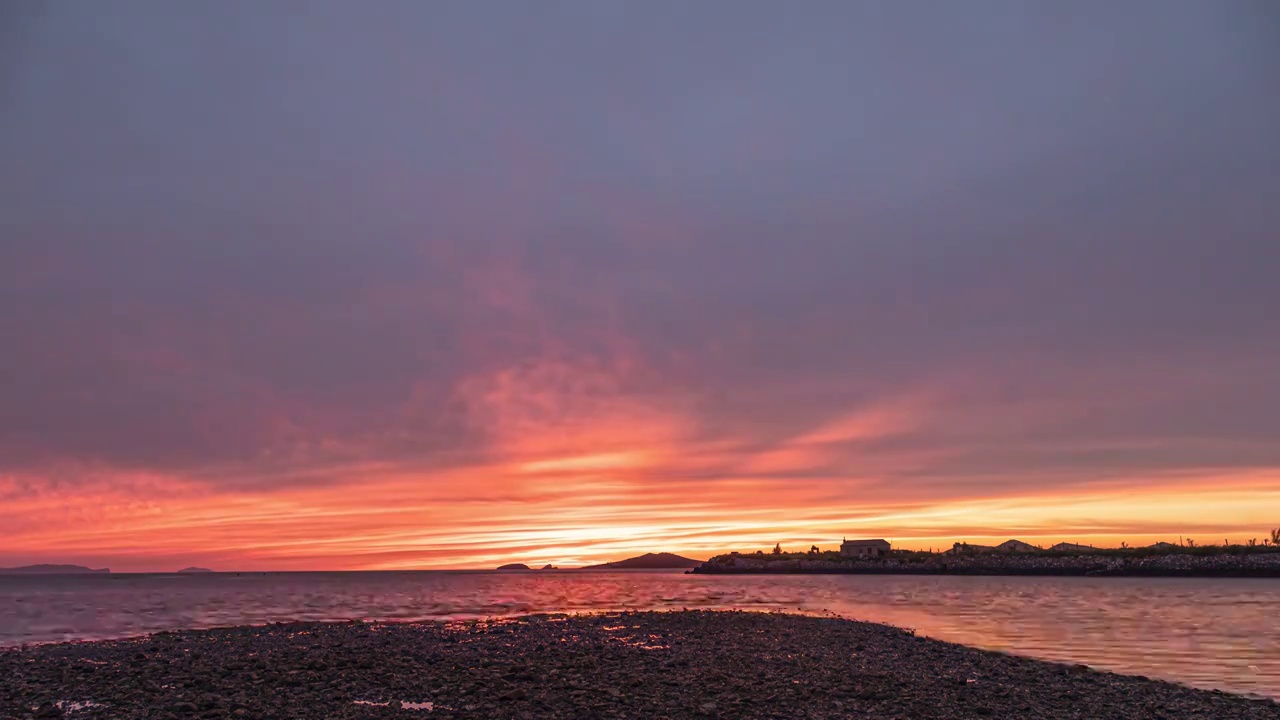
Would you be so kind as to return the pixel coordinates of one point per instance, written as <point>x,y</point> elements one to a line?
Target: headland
<point>1010,558</point>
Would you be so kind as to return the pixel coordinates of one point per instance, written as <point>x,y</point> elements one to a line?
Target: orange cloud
<point>822,445</point>
<point>593,512</point>
<point>576,467</point>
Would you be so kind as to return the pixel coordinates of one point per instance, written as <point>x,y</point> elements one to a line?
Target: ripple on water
<point>1210,633</point>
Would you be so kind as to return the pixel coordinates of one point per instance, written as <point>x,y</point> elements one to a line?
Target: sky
<point>333,285</point>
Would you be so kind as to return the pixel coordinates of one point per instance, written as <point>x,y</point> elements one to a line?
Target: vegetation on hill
<point>52,570</point>
<point>649,561</point>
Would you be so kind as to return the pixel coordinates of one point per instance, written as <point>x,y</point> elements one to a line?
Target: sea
<point>1207,633</point>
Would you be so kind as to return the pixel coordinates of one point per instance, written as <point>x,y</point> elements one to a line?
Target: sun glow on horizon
<point>585,521</point>
<point>574,471</point>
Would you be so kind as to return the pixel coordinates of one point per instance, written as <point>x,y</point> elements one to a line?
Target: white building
<point>864,548</point>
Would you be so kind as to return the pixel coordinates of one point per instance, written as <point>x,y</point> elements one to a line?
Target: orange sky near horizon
<point>601,480</point>
<point>583,521</point>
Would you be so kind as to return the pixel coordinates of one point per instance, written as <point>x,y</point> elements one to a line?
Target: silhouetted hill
<point>194,570</point>
<point>51,570</point>
<point>513,566</point>
<point>649,561</point>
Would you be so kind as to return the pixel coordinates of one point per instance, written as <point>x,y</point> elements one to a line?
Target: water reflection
<point>1209,633</point>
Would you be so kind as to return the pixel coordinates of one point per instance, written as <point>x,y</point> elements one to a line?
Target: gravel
<point>629,665</point>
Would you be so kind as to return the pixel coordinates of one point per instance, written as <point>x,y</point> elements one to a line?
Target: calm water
<point>1208,633</point>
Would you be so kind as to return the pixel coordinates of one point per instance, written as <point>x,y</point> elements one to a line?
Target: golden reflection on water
<point>1209,633</point>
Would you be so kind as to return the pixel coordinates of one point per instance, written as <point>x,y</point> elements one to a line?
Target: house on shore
<point>864,548</point>
<point>1073,548</point>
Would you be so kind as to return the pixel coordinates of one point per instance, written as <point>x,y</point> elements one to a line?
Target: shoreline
<point>1031,564</point>
<point>637,664</point>
<point>1268,574</point>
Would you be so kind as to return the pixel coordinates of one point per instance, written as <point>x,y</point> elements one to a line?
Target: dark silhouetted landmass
<point>191,570</point>
<point>513,566</point>
<point>649,561</point>
<point>549,566</point>
<point>52,570</point>
<point>1235,561</point>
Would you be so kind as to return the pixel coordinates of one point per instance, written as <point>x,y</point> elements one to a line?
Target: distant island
<point>649,561</point>
<point>53,570</point>
<point>192,570</point>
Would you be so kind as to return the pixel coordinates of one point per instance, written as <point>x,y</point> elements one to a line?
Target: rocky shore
<point>638,665</point>
<point>1100,565</point>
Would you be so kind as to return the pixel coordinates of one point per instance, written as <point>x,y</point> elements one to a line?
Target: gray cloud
<point>239,234</point>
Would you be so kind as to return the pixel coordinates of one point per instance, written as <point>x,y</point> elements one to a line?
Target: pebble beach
<point>694,664</point>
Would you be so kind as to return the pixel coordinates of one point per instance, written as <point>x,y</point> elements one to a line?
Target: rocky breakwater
<point>638,665</point>
<point>1112,564</point>
<point>1224,565</point>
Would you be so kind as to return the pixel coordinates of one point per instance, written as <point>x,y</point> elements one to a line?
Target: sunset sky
<point>340,285</point>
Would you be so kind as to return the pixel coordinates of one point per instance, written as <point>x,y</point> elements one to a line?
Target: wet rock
<point>675,665</point>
